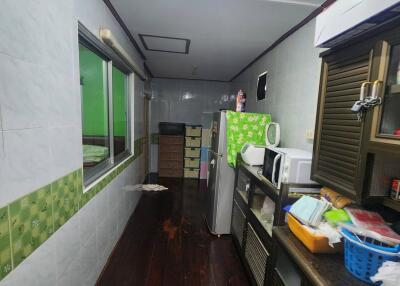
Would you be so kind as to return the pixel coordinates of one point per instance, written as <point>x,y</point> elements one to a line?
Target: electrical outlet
<point>310,134</point>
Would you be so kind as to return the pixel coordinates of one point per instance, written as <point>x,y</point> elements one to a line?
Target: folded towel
<point>242,128</point>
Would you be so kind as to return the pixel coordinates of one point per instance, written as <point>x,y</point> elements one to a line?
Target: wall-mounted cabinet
<point>356,156</point>
<point>338,138</point>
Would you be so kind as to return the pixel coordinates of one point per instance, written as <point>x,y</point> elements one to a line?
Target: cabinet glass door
<point>389,119</point>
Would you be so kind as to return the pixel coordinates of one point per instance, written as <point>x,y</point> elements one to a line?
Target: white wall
<point>185,101</point>
<point>40,134</point>
<point>293,80</point>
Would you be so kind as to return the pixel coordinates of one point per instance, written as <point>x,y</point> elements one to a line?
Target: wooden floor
<point>166,242</point>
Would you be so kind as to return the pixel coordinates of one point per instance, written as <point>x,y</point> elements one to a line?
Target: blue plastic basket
<point>363,259</point>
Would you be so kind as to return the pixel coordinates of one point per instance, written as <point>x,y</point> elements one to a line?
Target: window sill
<point>107,173</point>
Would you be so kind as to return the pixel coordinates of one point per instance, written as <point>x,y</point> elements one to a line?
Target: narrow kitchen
<point>214,142</point>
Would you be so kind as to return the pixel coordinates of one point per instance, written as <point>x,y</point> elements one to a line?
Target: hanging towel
<point>242,128</point>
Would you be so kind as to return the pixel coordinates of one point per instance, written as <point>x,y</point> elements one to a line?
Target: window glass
<point>119,86</point>
<point>390,117</point>
<point>94,96</point>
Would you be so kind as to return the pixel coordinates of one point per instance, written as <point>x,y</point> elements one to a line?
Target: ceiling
<point>222,36</point>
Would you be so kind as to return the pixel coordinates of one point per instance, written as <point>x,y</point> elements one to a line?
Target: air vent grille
<point>256,256</point>
<point>238,223</point>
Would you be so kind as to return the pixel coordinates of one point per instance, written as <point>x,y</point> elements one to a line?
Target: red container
<point>395,191</point>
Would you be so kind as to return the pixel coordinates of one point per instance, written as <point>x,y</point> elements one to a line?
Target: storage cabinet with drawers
<point>192,151</point>
<point>170,161</point>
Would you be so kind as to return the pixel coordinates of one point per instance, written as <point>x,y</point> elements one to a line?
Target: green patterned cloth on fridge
<point>242,128</point>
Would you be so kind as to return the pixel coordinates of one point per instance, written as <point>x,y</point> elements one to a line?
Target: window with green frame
<point>105,110</point>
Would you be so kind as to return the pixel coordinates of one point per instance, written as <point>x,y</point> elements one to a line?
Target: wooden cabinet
<point>347,148</point>
<point>295,265</point>
<point>251,231</point>
<point>170,159</point>
<point>338,138</point>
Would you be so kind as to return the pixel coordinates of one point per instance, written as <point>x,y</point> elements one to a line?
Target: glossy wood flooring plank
<point>166,243</point>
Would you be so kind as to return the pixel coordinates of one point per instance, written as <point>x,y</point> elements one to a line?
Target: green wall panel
<point>31,222</point>
<point>94,99</point>
<point>65,197</point>
<point>5,246</point>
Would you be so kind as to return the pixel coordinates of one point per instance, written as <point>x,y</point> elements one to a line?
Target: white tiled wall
<point>78,251</point>
<point>293,78</point>
<point>40,134</point>
<point>39,95</point>
<point>185,101</point>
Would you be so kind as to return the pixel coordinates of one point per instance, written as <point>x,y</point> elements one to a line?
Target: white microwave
<point>287,165</point>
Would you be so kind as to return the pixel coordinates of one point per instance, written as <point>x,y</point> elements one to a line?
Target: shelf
<point>394,88</point>
<point>267,226</point>
<point>244,196</point>
<point>388,202</point>
<point>267,187</point>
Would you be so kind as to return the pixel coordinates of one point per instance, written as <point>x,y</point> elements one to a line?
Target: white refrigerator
<point>221,179</point>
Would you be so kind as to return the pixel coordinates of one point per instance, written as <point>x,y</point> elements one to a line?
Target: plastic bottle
<point>241,101</point>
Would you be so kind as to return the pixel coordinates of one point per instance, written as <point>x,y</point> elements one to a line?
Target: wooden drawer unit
<point>171,148</point>
<point>171,156</point>
<point>171,164</point>
<point>193,141</point>
<point>192,163</point>
<point>171,140</point>
<point>192,152</point>
<point>175,156</point>
<point>170,173</point>
<point>193,131</point>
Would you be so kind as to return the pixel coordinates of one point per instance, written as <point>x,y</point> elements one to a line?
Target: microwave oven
<point>287,165</point>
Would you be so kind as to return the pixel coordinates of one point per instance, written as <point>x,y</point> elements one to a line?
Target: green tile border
<point>29,221</point>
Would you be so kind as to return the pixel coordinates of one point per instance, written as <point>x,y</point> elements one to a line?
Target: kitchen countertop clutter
<point>296,236</point>
<point>347,233</point>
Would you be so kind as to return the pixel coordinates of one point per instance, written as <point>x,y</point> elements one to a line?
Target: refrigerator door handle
<point>212,162</point>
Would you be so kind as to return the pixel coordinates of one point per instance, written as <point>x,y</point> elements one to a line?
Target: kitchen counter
<point>319,269</point>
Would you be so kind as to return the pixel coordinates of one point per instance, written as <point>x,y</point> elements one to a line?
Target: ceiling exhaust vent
<point>165,44</point>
